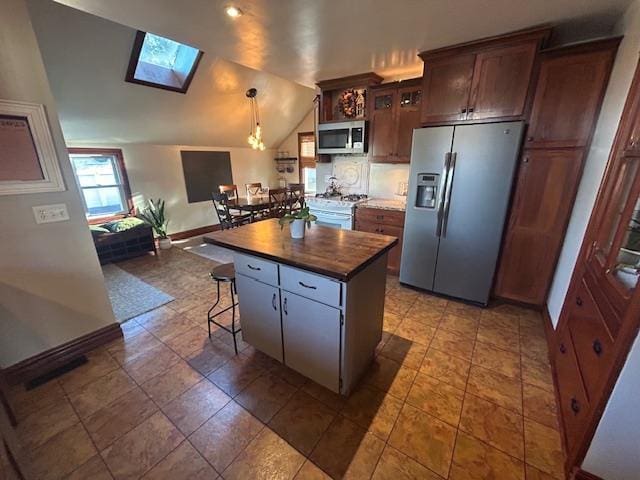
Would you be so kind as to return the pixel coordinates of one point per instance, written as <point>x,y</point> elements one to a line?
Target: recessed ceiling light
<point>233,12</point>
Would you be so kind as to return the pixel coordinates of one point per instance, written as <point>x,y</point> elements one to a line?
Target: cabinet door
<point>260,315</point>
<point>446,86</point>
<point>311,333</point>
<point>407,118</point>
<point>567,99</point>
<point>395,254</point>
<point>501,81</point>
<point>544,194</point>
<point>382,124</point>
<point>574,405</point>
<point>633,142</point>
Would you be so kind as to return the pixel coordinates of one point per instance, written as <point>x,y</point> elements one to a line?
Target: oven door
<point>342,221</point>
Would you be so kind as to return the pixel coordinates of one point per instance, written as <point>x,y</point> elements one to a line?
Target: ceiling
<point>311,40</point>
<point>86,59</point>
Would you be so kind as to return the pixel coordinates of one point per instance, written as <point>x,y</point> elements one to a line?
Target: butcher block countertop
<point>339,254</point>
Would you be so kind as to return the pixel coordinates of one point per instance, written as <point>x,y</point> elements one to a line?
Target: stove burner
<point>353,197</point>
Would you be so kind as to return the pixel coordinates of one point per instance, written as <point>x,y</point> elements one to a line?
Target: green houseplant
<point>298,221</point>
<point>154,215</point>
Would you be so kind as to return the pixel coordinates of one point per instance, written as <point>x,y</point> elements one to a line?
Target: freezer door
<point>484,159</point>
<point>430,152</point>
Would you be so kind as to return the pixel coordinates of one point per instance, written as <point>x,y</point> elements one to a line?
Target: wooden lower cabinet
<point>383,222</point>
<point>546,187</point>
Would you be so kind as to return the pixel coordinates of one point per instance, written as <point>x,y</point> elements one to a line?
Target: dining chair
<point>253,188</point>
<point>230,190</point>
<point>279,198</point>
<point>225,217</point>
<point>296,197</point>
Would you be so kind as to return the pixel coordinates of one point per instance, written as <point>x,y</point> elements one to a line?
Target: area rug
<point>129,295</point>
<point>212,252</point>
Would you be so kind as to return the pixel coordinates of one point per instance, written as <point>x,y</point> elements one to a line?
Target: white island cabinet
<point>323,328</point>
<point>315,304</point>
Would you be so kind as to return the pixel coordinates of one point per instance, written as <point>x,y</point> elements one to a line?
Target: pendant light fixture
<point>255,134</point>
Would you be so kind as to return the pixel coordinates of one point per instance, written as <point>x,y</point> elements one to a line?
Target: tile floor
<point>455,392</point>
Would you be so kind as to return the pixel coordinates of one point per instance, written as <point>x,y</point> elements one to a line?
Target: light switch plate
<point>51,213</point>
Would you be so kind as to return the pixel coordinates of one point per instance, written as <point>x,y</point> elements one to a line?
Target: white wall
<point>51,285</point>
<point>290,144</point>
<point>155,171</point>
<point>614,453</point>
<point>621,77</point>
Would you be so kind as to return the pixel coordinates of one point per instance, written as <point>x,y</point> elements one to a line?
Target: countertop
<point>339,254</point>
<point>385,204</point>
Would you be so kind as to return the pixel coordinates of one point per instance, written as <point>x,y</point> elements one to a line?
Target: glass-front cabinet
<point>615,255</point>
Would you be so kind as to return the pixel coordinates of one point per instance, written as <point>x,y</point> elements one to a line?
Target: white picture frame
<point>51,177</point>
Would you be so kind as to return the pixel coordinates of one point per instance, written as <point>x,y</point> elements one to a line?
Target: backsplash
<point>357,175</point>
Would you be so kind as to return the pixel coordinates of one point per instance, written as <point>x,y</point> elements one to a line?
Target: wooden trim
<point>51,359</point>
<point>194,232</point>
<point>541,34</point>
<point>133,64</point>
<point>583,47</point>
<point>410,82</point>
<point>361,79</point>
<point>580,474</point>
<point>117,153</point>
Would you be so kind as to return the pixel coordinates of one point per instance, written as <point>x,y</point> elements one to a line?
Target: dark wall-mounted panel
<point>203,172</point>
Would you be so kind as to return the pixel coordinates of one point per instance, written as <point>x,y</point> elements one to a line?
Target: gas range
<point>335,210</point>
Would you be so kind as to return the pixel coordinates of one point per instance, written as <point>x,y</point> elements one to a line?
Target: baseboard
<point>580,474</point>
<point>194,232</point>
<point>44,362</point>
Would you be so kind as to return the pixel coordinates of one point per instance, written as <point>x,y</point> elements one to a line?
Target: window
<point>307,160</point>
<point>161,62</point>
<point>102,179</point>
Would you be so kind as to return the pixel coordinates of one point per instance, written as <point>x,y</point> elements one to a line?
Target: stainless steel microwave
<point>342,137</point>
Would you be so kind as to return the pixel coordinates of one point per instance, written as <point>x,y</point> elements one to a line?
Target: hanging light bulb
<point>255,131</point>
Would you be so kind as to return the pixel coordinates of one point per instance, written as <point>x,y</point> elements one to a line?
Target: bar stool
<point>225,273</point>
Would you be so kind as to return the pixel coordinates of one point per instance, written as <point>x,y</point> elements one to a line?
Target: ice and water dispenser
<point>427,187</point>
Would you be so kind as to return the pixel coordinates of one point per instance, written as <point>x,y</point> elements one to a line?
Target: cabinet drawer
<point>574,405</point>
<point>379,215</point>
<point>591,340</point>
<point>256,268</point>
<point>311,286</point>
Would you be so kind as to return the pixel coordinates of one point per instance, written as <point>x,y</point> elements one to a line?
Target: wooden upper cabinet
<point>394,111</point>
<point>382,123</point>
<point>501,81</point>
<point>408,118</point>
<point>446,88</point>
<point>487,79</point>
<point>568,96</point>
<point>633,141</point>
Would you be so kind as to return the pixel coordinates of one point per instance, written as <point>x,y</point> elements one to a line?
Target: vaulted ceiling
<point>281,47</point>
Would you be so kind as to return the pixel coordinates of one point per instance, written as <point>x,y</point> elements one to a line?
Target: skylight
<point>161,62</point>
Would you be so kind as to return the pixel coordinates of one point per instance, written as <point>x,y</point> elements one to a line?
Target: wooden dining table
<point>252,204</point>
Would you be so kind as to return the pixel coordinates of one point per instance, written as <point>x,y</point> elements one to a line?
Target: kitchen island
<point>315,304</point>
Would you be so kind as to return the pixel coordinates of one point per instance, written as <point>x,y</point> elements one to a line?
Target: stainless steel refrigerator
<point>459,190</point>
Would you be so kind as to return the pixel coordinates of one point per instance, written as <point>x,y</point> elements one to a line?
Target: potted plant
<point>154,215</point>
<point>298,221</point>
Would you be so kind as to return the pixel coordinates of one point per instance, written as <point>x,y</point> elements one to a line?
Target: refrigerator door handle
<point>445,173</point>
<point>447,193</point>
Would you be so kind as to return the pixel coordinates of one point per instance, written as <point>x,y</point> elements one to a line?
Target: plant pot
<point>164,243</point>
<point>297,228</point>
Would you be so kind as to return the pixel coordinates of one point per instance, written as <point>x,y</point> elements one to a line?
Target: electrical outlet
<point>51,213</point>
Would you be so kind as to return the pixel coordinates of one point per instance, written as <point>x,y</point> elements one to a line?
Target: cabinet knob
<point>470,110</point>
<point>526,160</point>
<point>563,349</point>
<point>464,110</point>
<point>578,301</point>
<point>575,405</point>
<point>529,139</point>
<point>597,347</point>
